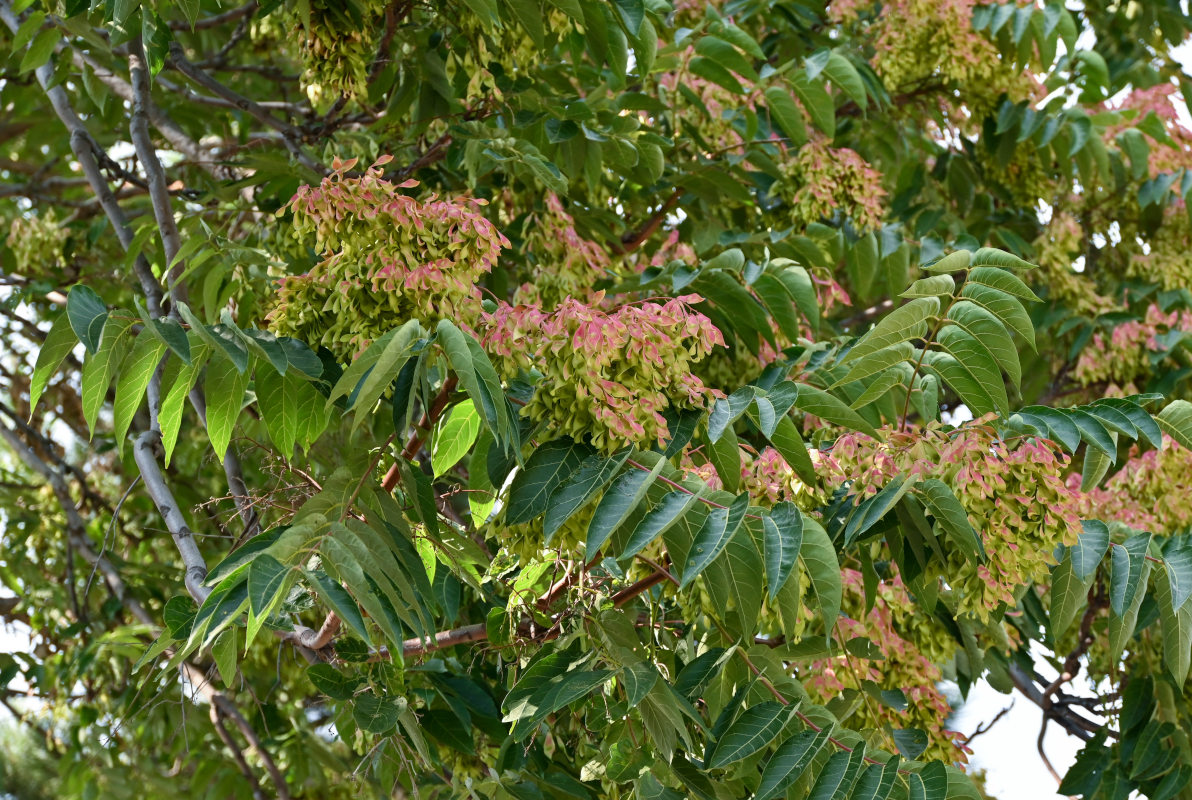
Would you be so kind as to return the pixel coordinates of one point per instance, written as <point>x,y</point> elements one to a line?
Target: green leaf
<point>1005,307</point>
<point>632,13</point>
<point>1072,578</point>
<point>177,379</point>
<point>1176,421</point>
<point>983,326</point>
<point>716,73</point>
<point>592,476</point>
<point>1003,281</point>
<point>713,536</point>
<point>902,324</point>
<point>339,601</point>
<point>992,257</point>
<point>1121,626</point>
<point>223,653</point>
<point>87,313</point>
<point>658,520</point>
<point>789,762</point>
<point>225,396</point>
<point>823,570</point>
<point>453,437</point>
<point>554,694</point>
<point>1176,624</point>
<point>783,532</point>
<point>755,729</point>
<point>295,413</point>
<point>930,783</point>
<point>545,471</point>
<point>728,410</point>
<point>40,50</point>
<point>726,55</point>
<point>979,364</point>
<point>1094,432</point>
<point>788,116</point>
<point>818,103</point>
<point>831,408</point>
<point>951,263</point>
<point>266,576</point>
<point>831,783</point>
<point>790,446</point>
<point>934,286</point>
<point>841,72</point>
<point>169,330</point>
<point>331,682</point>
<point>268,583</point>
<point>878,361</point>
<point>626,493</point>
<point>877,781</point>
<point>59,342</point>
<point>381,372</point>
<point>1177,562</point>
<point>529,15</point>
<point>375,714</point>
<point>135,374</point>
<point>968,387</point>
<point>951,516</point>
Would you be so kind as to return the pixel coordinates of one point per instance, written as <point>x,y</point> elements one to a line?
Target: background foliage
<point>522,399</point>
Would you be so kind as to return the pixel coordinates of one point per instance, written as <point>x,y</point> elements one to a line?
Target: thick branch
<point>144,452</point>
<point>169,129</point>
<point>159,194</point>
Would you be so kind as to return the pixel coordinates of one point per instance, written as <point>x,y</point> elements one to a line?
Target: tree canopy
<point>556,399</point>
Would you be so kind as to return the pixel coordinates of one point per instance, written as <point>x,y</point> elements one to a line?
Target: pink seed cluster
<point>386,258</point>
<point>605,374</point>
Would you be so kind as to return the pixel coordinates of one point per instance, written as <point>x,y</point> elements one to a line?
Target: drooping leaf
<point>783,528</point>
<point>789,762</point>
<point>135,374</point>
<point>546,470</point>
<point>710,541</point>
<point>57,346</point>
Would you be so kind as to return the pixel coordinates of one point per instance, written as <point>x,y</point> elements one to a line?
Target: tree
<point>523,400</point>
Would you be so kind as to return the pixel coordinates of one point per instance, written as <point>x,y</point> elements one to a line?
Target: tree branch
<point>85,150</point>
<point>159,195</point>
<point>289,133</point>
<point>76,528</point>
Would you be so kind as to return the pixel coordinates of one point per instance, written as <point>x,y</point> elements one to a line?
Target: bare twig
<point>290,134</point>
<point>215,20</point>
<point>76,528</point>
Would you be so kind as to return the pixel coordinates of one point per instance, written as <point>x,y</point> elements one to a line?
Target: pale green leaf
<point>453,437</point>
<point>135,373</point>
<point>225,386</point>
<point>57,346</point>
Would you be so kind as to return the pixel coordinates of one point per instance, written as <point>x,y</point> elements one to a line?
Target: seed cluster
<point>387,258</point>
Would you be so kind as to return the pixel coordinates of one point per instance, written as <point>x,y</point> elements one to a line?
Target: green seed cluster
<point>337,47</point>
<point>36,243</point>
<point>819,179</point>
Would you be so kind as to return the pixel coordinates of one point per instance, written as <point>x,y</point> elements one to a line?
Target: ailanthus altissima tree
<point>558,399</point>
